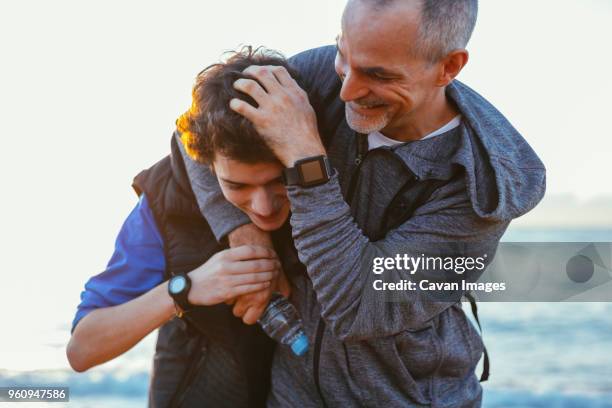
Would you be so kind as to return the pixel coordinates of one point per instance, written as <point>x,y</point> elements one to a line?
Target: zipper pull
<point>362,147</point>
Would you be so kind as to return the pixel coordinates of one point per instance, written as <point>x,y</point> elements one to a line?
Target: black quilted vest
<point>209,358</point>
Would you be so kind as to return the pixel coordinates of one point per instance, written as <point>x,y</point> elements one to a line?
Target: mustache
<point>367,102</point>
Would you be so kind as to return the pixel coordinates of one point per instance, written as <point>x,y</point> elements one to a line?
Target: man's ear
<point>451,66</point>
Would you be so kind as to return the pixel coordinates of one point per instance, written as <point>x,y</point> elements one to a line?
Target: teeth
<point>369,106</point>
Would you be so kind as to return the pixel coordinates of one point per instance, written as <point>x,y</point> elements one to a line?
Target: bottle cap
<point>300,345</point>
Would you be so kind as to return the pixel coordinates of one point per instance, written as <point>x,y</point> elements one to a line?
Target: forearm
<point>109,332</point>
<point>250,307</point>
<point>339,259</point>
<point>332,247</point>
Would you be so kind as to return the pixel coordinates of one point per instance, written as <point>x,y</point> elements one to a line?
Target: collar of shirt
<point>377,139</point>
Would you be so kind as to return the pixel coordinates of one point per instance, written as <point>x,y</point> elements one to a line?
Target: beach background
<point>88,97</point>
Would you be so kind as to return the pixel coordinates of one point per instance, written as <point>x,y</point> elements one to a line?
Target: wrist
<point>301,147</point>
<point>249,234</point>
<point>179,289</point>
<point>191,294</point>
<point>167,302</point>
<point>291,157</point>
<point>308,172</point>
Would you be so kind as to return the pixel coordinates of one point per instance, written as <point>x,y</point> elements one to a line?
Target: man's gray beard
<point>373,124</point>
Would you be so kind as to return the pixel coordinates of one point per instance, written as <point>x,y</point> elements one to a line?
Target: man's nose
<point>262,203</point>
<point>353,87</point>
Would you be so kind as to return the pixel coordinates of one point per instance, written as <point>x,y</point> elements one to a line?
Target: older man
<point>403,157</point>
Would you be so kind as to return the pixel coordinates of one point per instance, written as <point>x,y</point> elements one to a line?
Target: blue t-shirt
<point>137,265</point>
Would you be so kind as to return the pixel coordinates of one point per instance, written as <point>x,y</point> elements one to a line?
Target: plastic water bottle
<point>282,323</point>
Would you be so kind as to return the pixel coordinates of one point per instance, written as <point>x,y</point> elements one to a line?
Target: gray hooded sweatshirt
<point>456,192</point>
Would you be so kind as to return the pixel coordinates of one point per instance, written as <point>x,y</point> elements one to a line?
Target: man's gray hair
<point>446,25</point>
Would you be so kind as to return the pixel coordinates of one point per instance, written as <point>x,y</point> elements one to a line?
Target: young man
<point>421,162</point>
<point>167,262</point>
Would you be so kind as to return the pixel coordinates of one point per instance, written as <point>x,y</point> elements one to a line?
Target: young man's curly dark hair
<point>210,126</point>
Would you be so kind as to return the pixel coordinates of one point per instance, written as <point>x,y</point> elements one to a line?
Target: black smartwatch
<point>178,288</point>
<point>308,172</point>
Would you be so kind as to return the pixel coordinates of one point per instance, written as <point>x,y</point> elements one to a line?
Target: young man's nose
<point>262,203</point>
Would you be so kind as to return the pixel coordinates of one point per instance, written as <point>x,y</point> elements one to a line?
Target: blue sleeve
<point>137,265</point>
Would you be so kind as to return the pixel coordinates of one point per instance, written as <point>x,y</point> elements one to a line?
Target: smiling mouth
<point>267,219</point>
<point>367,108</point>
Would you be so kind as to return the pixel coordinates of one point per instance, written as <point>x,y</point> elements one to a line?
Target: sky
<point>89,92</point>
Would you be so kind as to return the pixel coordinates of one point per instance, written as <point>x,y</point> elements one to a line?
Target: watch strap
<point>181,299</point>
<point>291,176</point>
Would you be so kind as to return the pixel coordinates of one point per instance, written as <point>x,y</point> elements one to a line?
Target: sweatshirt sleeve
<point>339,258</point>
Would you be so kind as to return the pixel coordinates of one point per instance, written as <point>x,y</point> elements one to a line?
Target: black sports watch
<point>308,172</point>
<point>178,288</point>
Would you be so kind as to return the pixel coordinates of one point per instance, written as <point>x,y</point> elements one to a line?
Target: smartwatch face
<point>312,171</point>
<point>177,284</point>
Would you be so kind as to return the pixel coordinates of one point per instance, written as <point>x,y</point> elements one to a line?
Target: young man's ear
<point>451,66</point>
